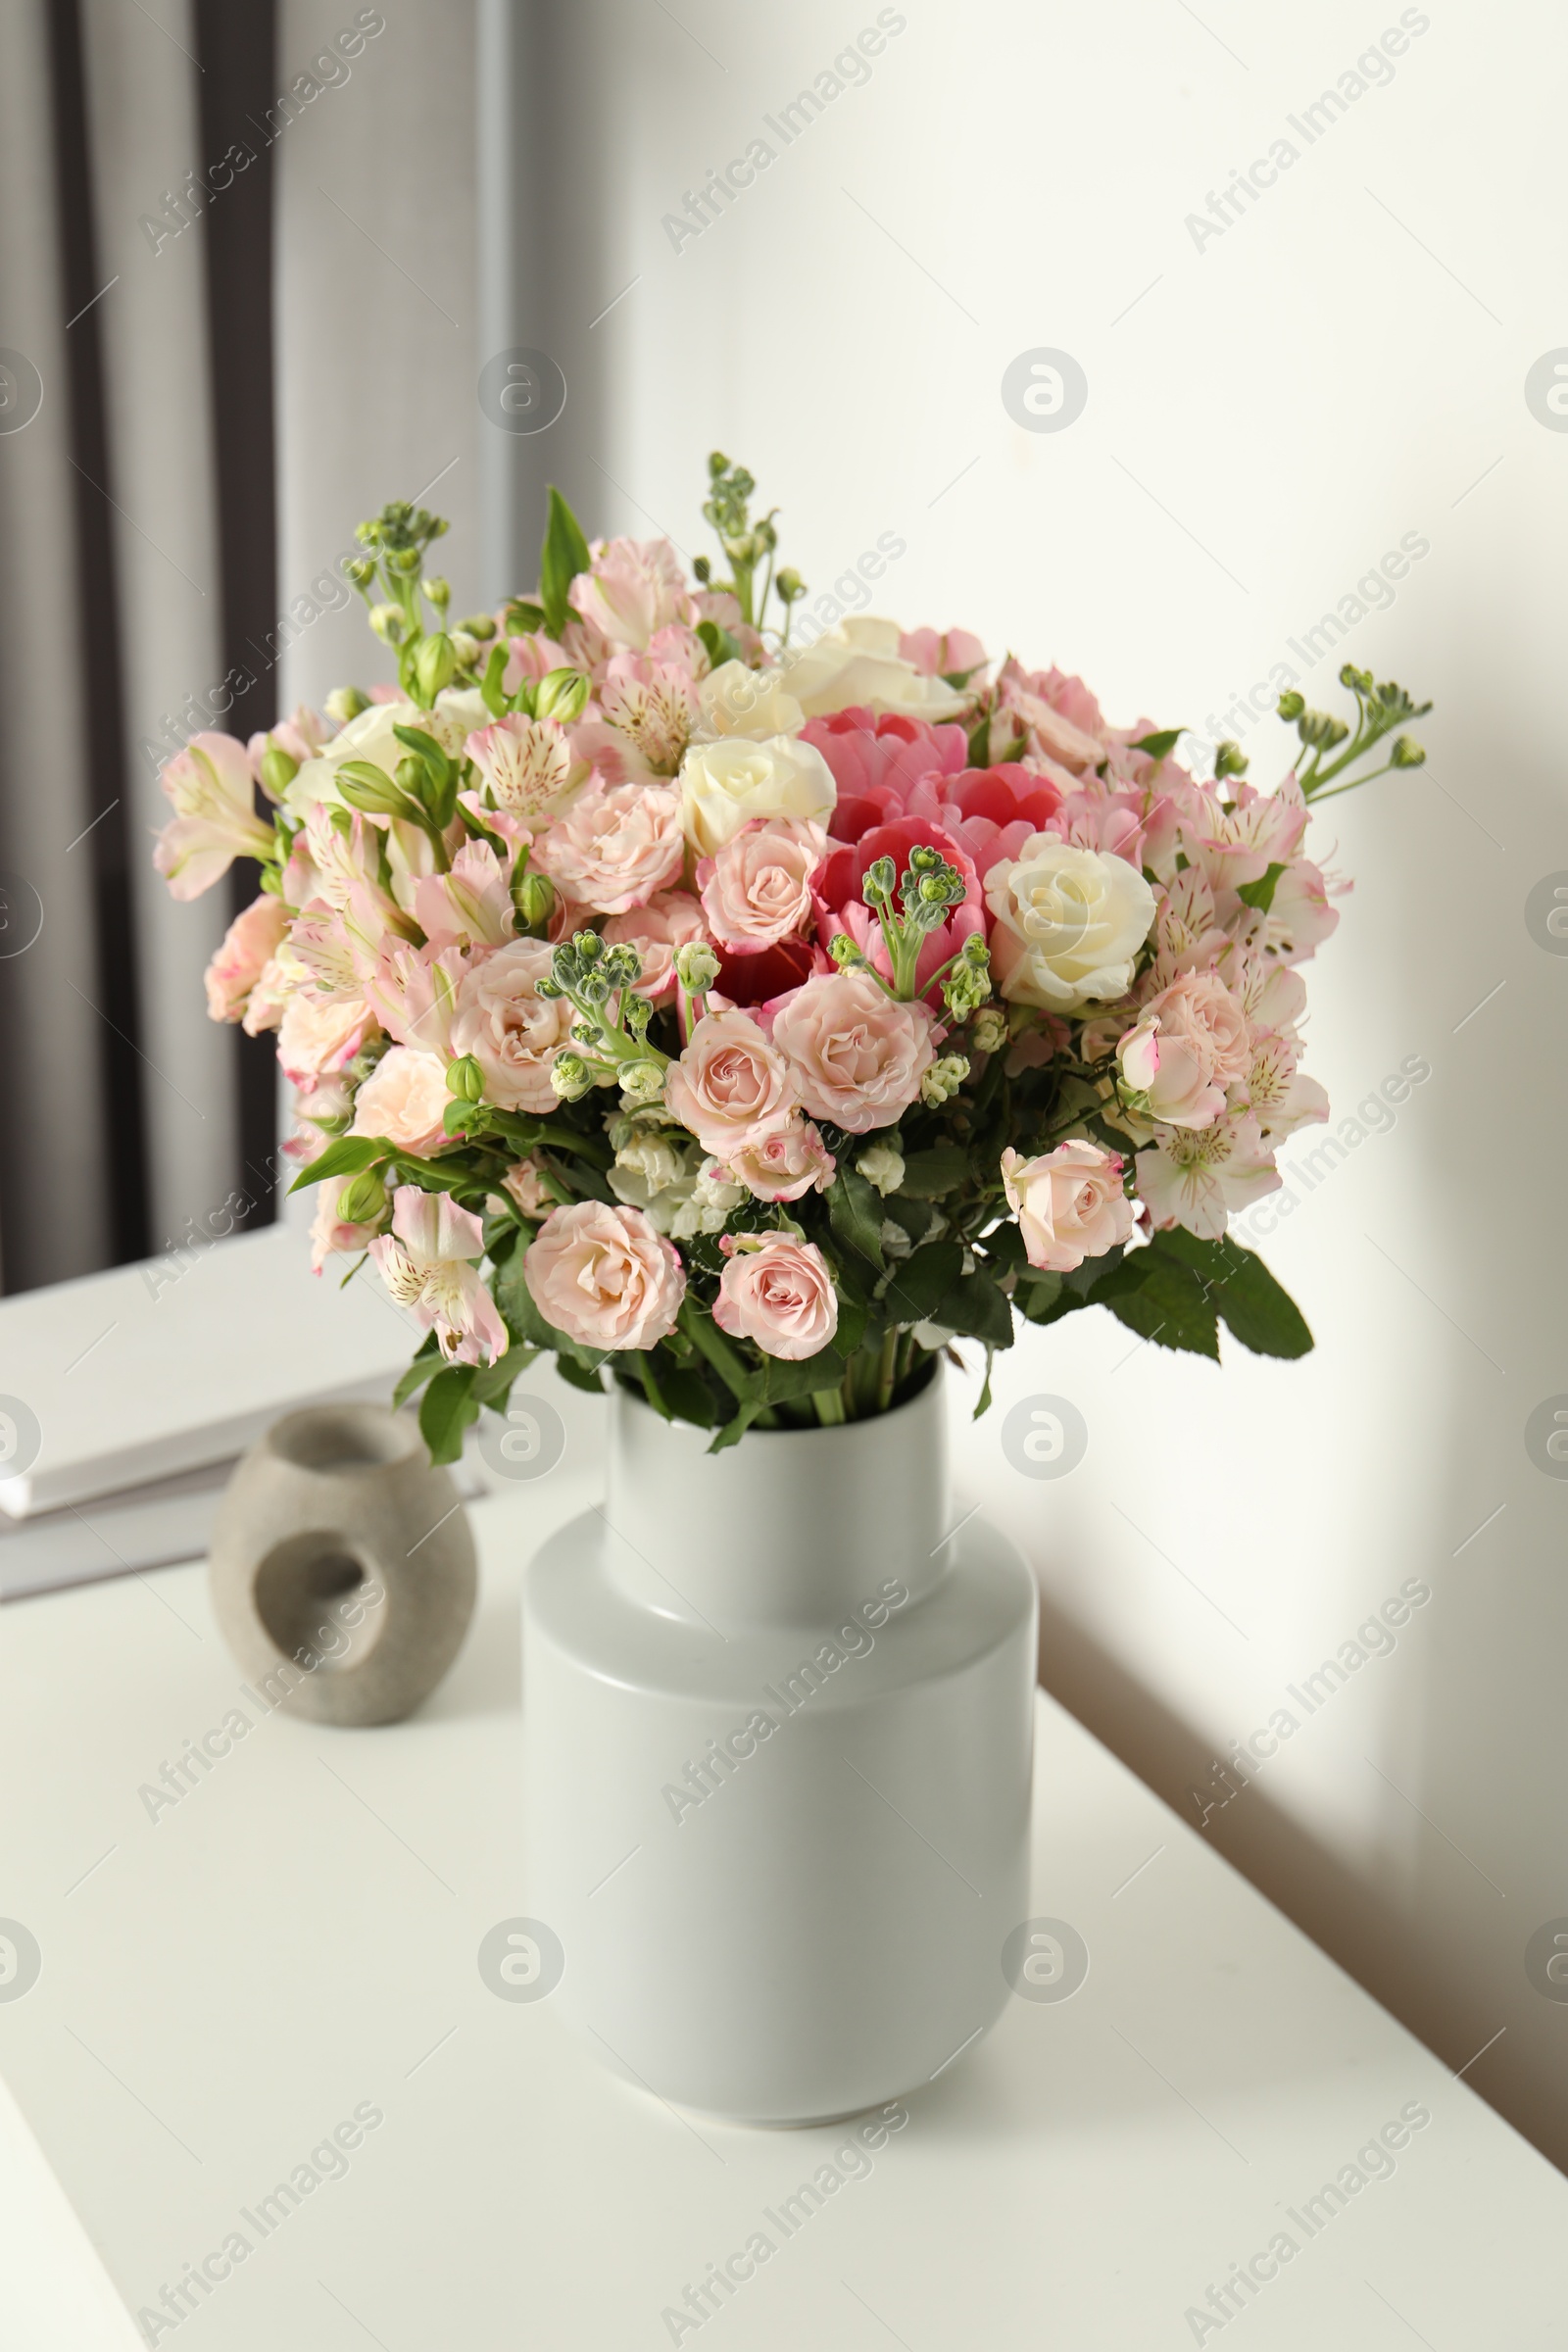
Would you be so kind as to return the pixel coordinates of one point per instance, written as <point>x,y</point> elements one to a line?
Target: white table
<point>296,1938</point>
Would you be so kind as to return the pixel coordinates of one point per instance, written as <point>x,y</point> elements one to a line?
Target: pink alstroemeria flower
<point>426,1263</point>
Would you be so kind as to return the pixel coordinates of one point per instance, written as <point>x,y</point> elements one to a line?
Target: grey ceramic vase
<point>342,1565</point>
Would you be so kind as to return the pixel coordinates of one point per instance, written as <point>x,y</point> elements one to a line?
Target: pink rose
<point>783,1163</point>
<point>248,947</point>
<point>1190,1043</point>
<point>528,1189</point>
<point>953,654</point>
<point>1069,1204</point>
<point>671,919</point>
<point>730,1086</point>
<point>426,1263</point>
<point>616,846</point>
<point>632,589</point>
<point>512,1032</point>
<point>405,1098</point>
<point>605,1277</point>
<point>780,1295</point>
<point>320,1035</point>
<point>757,890</point>
<point>857,1056</point>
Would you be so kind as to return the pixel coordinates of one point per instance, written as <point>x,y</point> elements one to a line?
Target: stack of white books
<point>125,1397</point>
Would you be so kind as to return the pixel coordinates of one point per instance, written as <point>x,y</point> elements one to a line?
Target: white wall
<point>1266,417</point>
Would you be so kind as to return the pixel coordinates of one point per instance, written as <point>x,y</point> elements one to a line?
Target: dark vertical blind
<point>237,51</point>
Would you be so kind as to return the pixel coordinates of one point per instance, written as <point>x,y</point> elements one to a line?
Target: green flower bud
<point>466,1078</point>
<point>561,695</point>
<point>366,786</point>
<point>702,570</point>
<point>479,624</point>
<point>388,622</point>
<point>533,896</point>
<point>433,664</point>
<point>696,966</point>
<point>466,648</point>
<point>844,952</point>
<point>990,1032</point>
<point>642,1081</point>
<point>345,703</point>
<point>1290,704</point>
<point>278,771</point>
<point>789,586</point>
<point>1230,760</point>
<point>364,1200</point>
<point>360,570</point>
<point>1406,752</point>
<point>570,1076</point>
<point>438,592</point>
<point>943,1080</point>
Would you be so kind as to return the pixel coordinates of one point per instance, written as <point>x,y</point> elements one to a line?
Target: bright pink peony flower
<point>779,1294</point>
<point>875,759</point>
<point>605,1277</point>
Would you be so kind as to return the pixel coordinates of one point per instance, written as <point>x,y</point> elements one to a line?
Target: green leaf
<point>523,615</point>
<point>426,1365</point>
<point>1254,1306</point>
<point>722,646</point>
<point>917,1287</point>
<point>1161,746</point>
<point>978,1310</point>
<point>927,1175</point>
<point>527,1326</point>
<point>733,1431</point>
<point>1162,1301</point>
<point>492,1383</point>
<point>424,747</point>
<point>346,1157</point>
<point>564,556</point>
<point>688,1395</point>
<point>854,1211</point>
<point>699,1326</point>
<point>853,1319</point>
<point>578,1376</point>
<point>1261,894</point>
<point>447,1411</point>
<point>782,1382</point>
<point>495,701</point>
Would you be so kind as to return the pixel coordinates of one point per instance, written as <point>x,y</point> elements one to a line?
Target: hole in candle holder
<point>323,1605</point>
<point>343,1438</point>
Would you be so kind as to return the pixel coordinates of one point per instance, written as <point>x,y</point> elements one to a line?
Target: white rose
<point>737,701</point>
<point>724,785</point>
<point>457,714</point>
<point>1068,924</point>
<point>858,662</point>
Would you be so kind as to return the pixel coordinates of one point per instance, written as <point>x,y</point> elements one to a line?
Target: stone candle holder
<point>342,1565</point>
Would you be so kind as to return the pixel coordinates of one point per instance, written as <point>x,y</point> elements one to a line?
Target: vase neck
<point>790,1527</point>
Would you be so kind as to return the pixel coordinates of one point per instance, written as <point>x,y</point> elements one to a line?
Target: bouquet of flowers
<point>757,1018</point>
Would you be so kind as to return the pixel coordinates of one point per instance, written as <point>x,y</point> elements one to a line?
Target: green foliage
<point>564,556</point>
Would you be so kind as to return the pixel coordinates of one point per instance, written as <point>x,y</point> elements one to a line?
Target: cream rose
<point>731,1085</point>
<point>757,889</point>
<point>1069,1204</point>
<point>724,785</point>
<point>859,664</point>
<point>605,1277</point>
<point>616,846</point>
<point>780,1296</point>
<point>857,1056</point>
<point>512,1032</point>
<point>1068,924</point>
<point>737,701</point>
<point>458,711</point>
<point>405,1098</point>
